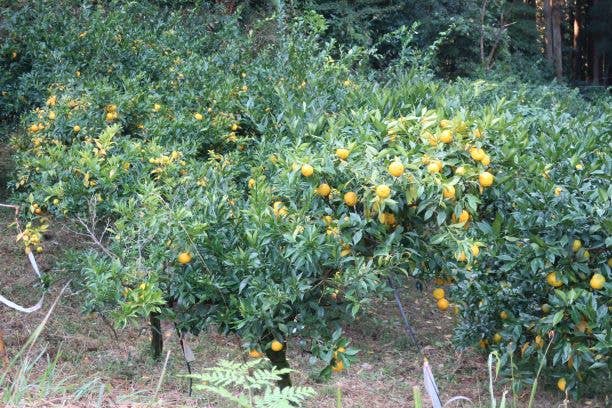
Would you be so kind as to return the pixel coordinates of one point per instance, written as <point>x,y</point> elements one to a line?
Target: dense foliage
<point>270,188</point>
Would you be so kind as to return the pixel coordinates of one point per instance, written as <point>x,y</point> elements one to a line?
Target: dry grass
<point>95,369</point>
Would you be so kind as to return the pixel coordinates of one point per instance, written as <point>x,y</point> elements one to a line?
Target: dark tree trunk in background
<point>157,340</point>
<point>557,47</point>
<point>548,40</point>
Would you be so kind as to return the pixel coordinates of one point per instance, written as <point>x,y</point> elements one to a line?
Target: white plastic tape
<point>38,305</point>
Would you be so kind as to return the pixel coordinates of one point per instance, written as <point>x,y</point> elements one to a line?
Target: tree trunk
<point>557,41</point>
<point>157,340</point>
<point>577,43</point>
<point>548,38</point>
<point>279,361</point>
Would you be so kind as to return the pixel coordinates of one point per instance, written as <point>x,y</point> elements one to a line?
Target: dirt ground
<point>96,369</point>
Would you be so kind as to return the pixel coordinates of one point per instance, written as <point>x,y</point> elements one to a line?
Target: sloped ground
<point>96,369</point>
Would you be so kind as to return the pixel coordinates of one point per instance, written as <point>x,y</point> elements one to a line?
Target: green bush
<point>209,171</point>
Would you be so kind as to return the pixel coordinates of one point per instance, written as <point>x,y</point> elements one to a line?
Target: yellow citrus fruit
<point>387,218</point>
<point>328,219</point>
<point>276,345</point>
<point>350,199</point>
<point>443,304</point>
<point>463,217</point>
<point>576,245</point>
<point>338,366</point>
<point>396,169</point>
<point>341,350</point>
<point>435,166</point>
<point>503,315</point>
<point>251,183</point>
<point>497,338</point>
<point>156,107</point>
<point>198,116</point>
<point>545,308</point>
<point>561,384</point>
<point>552,280</point>
<point>383,191</point>
<point>184,258</point>
<point>558,191</point>
<point>597,281</point>
<point>323,190</point>
<point>586,255</point>
<point>431,139</point>
<point>486,160</point>
<point>477,153</point>
<point>76,129</point>
<point>445,123</point>
<point>485,179</point>
<point>438,293</point>
<point>52,115</point>
<point>307,170</point>
<point>342,153</point>
<point>539,341</point>
<point>446,136</point>
<point>448,192</point>
<point>255,353</point>
<point>460,171</point>
<point>39,249</point>
<point>475,250</point>
<point>461,257</point>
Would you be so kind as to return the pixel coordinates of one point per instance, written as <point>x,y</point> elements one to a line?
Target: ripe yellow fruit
<point>446,136</point>
<point>350,199</point>
<point>276,345</point>
<point>438,293</point>
<point>396,169</point>
<point>497,338</point>
<point>341,350</point>
<point>156,107</point>
<point>552,280</point>
<point>307,170</point>
<point>435,166</point>
<point>52,115</point>
<point>461,257</point>
<point>558,191</point>
<point>597,281</point>
<point>255,353</point>
<point>545,308</point>
<point>184,258</point>
<point>431,139</point>
<point>477,153</point>
<point>383,191</point>
<point>586,255</point>
<point>460,171</point>
<point>251,183</point>
<point>576,245</point>
<point>198,116</point>
<point>503,315</point>
<point>445,123</point>
<point>475,250</point>
<point>463,217</point>
<point>539,341</point>
<point>443,304</point>
<point>486,160</point>
<point>387,218</point>
<point>485,179</point>
<point>328,219</point>
<point>561,384</point>
<point>338,366</point>
<point>323,190</point>
<point>342,153</point>
<point>39,249</point>
<point>448,192</point>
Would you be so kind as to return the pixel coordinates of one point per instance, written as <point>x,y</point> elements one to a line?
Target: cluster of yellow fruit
<point>111,113</point>
<point>442,302</point>
<point>275,346</point>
